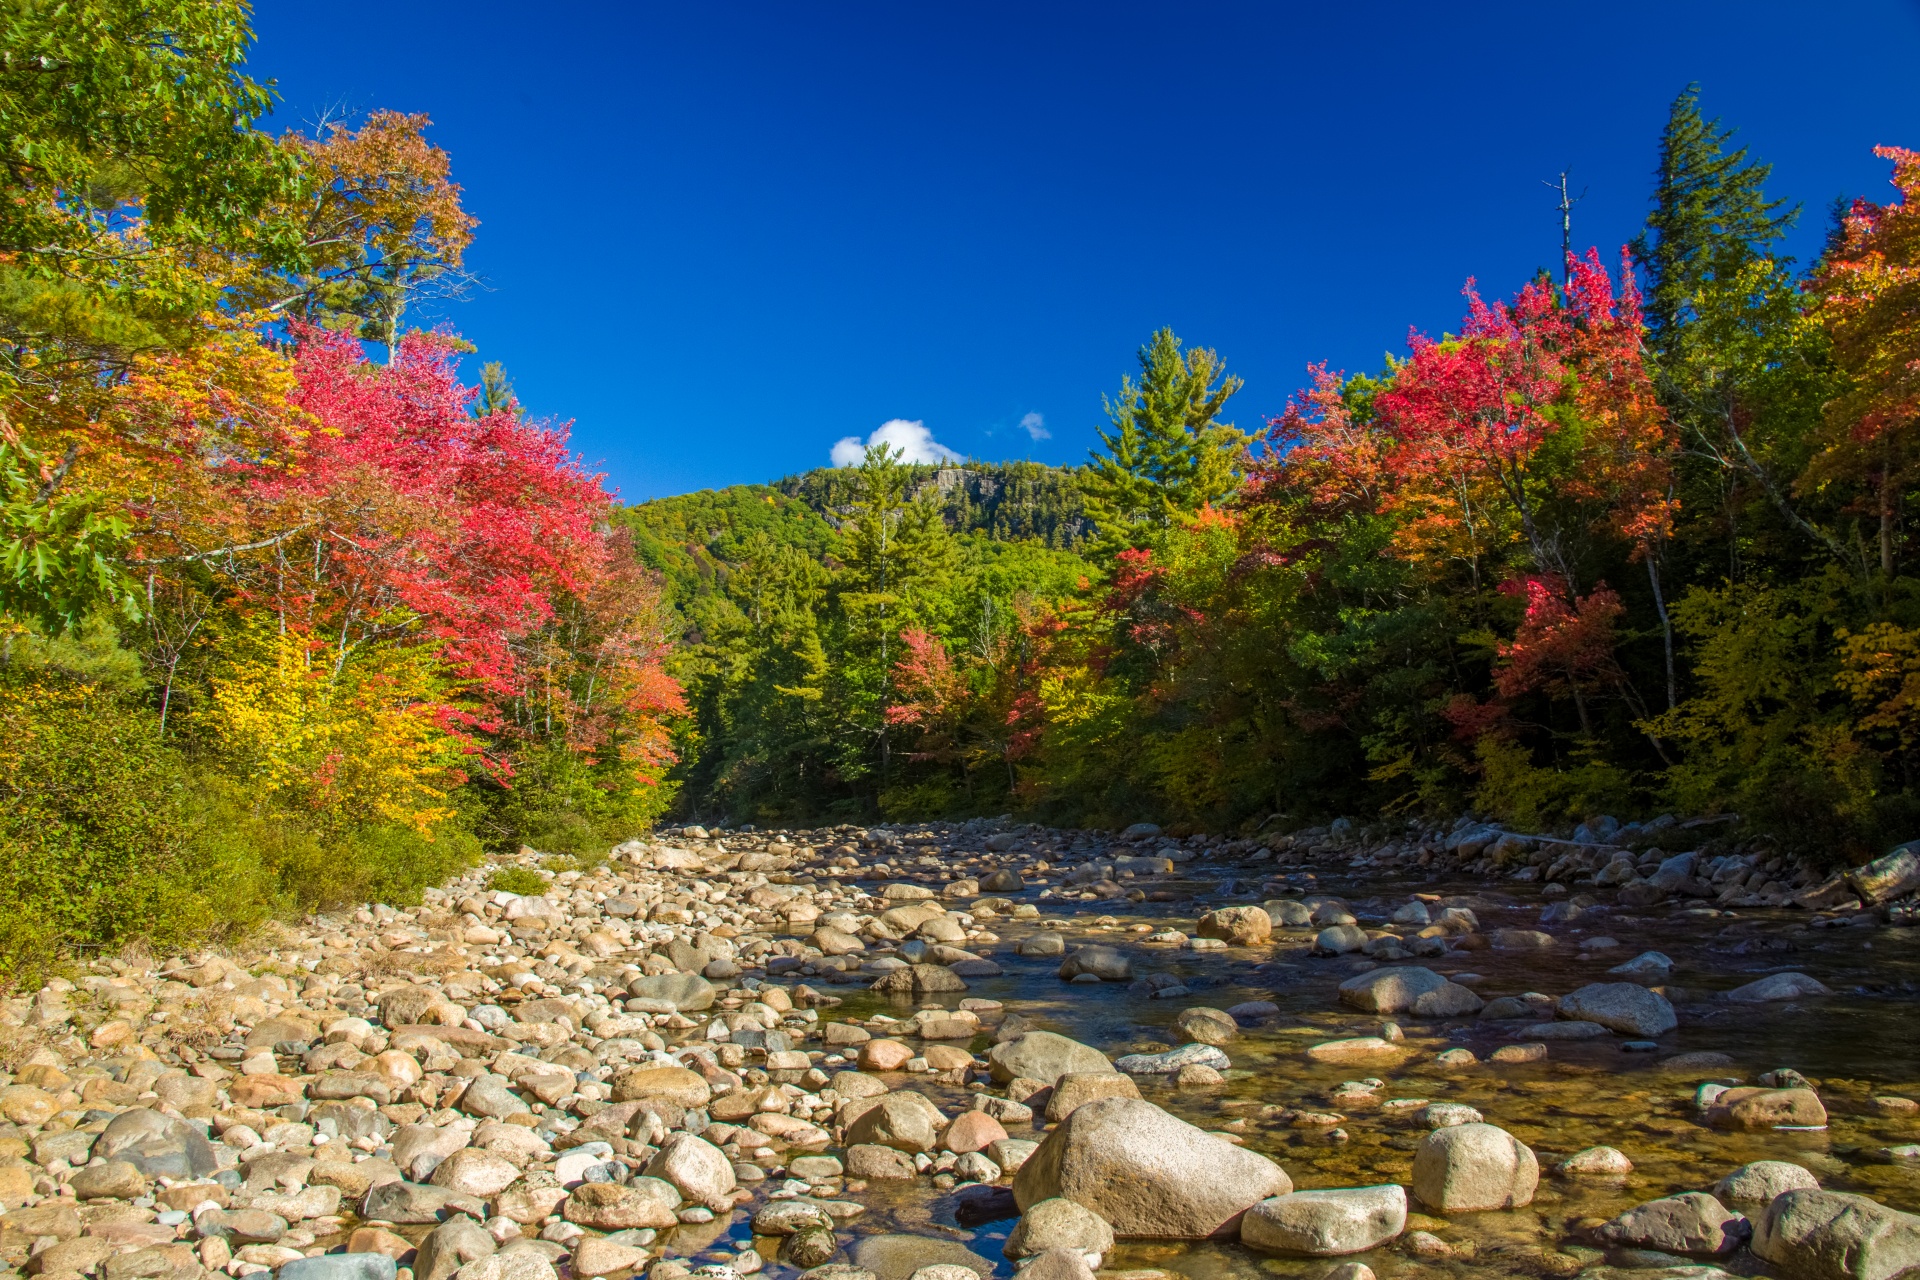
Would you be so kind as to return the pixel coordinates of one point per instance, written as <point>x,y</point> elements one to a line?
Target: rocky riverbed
<point>934,1052</point>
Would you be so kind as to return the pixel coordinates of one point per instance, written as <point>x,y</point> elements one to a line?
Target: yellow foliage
<point>1880,671</point>
<point>368,739</point>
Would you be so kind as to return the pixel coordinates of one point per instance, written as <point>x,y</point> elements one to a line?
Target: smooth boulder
<point>1149,1174</point>
<point>1829,1235</point>
<point>1691,1223</point>
<point>1624,1007</point>
<point>1042,1056</point>
<point>1466,1168</point>
<point>1326,1223</point>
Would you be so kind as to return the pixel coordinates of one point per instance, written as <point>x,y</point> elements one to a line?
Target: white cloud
<point>912,439</point>
<point>1036,426</point>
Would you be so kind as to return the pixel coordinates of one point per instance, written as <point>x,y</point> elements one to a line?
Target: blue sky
<point>721,238</point>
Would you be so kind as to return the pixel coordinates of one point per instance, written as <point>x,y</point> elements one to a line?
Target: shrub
<point>522,880</point>
<point>97,845</point>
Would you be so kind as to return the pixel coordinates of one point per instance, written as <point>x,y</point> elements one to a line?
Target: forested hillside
<point>1630,539</point>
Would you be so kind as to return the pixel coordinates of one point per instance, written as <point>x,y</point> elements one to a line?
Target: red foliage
<point>926,686</point>
<point>1561,647</point>
<point>406,516</point>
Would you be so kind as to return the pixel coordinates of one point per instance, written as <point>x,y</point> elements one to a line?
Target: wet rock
<point>1471,1167</point>
<point>340,1266</point>
<point>1059,1224</point>
<point>1042,1056</point>
<point>1691,1223</point>
<point>1390,990</point>
<point>1439,1115</point>
<point>1148,1173</point>
<point>1326,1223</point>
<point>809,1248</point>
<point>790,1217</point>
<point>1354,1049</point>
<point>1057,1264</point>
<point>1237,926</point>
<point>1529,1005</point>
<point>1173,1061</point>
<point>1777,986</point>
<point>1827,1235</point>
<point>1340,939</point>
<point>686,992</point>
<point>920,979</point>
<point>1074,1089</point>
<point>905,1121</point>
<point>1565,1031</point>
<point>1652,965</point>
<point>1596,1162</point>
<point>1002,881</point>
<point>1519,940</point>
<point>971,1131</point>
<point>1206,1026</point>
<point>1884,879</point>
<point>897,1257</point>
<point>600,1256</point>
<point>1287,914</point>
<point>874,1162</point>
<point>1042,944</point>
<point>1761,1181</point>
<point>1758,1109</point>
<point>1625,1007</point>
<point>609,1206</point>
<point>1105,963</point>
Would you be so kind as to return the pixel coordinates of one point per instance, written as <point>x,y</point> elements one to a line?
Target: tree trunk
<point>1666,627</point>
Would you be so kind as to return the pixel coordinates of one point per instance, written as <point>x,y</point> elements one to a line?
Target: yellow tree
<point>1867,292</point>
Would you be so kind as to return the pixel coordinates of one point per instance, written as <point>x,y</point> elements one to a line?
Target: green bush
<point>523,880</point>
<point>109,837</point>
<point>97,846</point>
<point>561,804</point>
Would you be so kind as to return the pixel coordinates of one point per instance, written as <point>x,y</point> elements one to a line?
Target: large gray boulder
<point>1148,1173</point>
<point>1042,1056</point>
<point>1625,1007</point>
<point>1692,1223</point>
<point>1326,1224</point>
<point>1828,1235</point>
<point>1469,1167</point>
<point>1893,876</point>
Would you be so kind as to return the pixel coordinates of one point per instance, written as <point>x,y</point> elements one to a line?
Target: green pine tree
<point>1167,455</point>
<point>1711,219</point>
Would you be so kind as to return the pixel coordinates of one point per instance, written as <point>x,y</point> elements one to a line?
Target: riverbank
<point>767,1051</point>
